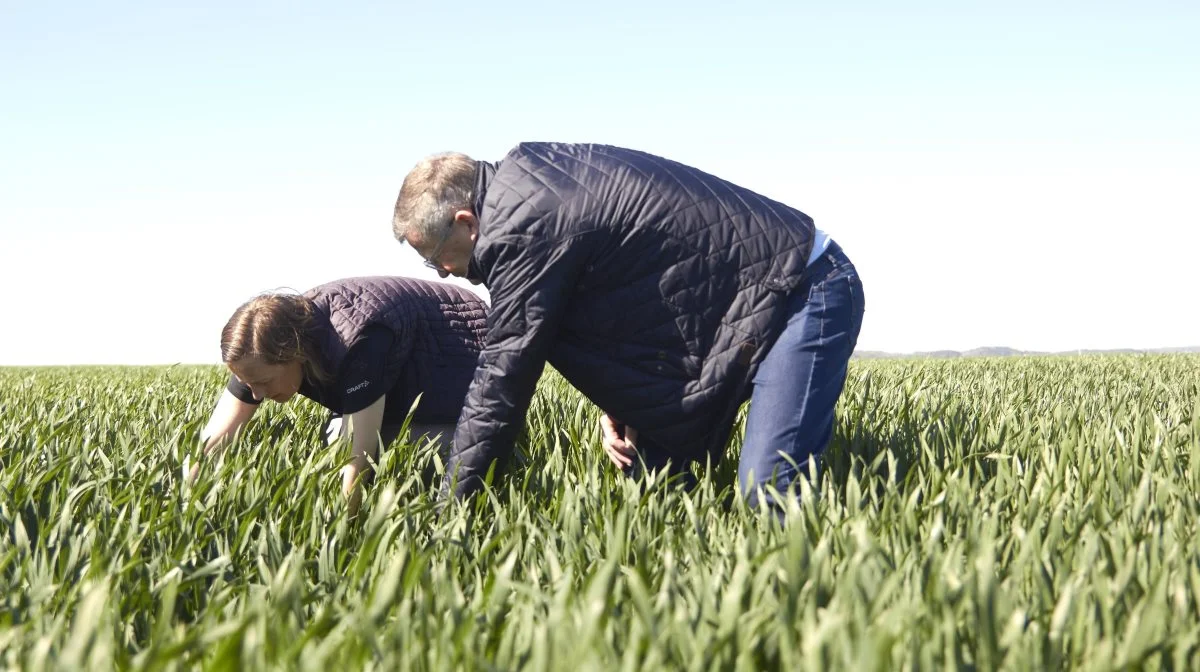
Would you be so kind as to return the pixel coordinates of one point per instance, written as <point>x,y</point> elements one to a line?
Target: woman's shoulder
<point>387,289</point>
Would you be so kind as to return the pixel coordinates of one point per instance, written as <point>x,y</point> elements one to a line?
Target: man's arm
<point>531,282</point>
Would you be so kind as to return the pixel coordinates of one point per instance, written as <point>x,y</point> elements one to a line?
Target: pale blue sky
<point>1019,175</point>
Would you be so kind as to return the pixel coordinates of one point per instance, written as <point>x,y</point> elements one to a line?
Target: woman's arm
<point>363,428</point>
<point>228,418</point>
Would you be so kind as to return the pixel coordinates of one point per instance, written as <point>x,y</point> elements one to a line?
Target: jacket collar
<point>483,178</point>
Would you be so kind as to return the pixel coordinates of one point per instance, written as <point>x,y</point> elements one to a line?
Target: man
<point>663,293</point>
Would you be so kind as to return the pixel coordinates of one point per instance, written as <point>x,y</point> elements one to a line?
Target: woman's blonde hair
<point>279,329</point>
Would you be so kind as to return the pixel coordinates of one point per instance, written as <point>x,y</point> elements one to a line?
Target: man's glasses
<point>431,260</point>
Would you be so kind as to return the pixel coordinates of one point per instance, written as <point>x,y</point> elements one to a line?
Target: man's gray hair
<point>433,191</point>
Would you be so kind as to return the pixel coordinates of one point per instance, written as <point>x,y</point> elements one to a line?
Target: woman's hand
<point>228,418</point>
<point>363,429</point>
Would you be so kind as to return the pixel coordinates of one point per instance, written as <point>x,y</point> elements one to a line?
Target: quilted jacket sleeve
<point>530,283</point>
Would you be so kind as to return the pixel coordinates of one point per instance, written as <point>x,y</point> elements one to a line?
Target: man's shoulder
<point>549,148</point>
<point>587,162</point>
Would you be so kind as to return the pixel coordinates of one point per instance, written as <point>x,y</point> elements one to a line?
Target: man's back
<point>649,284</point>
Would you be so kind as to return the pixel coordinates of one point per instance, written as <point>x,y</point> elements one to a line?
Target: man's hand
<point>620,441</point>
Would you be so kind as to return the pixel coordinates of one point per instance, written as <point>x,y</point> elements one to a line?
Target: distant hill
<point>1012,352</point>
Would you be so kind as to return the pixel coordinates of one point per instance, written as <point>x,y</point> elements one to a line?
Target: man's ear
<point>467,217</point>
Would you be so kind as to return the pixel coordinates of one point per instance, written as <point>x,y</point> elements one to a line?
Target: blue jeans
<point>798,383</point>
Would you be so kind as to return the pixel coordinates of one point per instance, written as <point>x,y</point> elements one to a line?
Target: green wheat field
<point>1019,513</point>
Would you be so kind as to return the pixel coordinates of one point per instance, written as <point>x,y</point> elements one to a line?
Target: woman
<point>362,347</point>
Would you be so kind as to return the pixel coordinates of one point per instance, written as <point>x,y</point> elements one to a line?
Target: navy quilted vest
<point>439,331</point>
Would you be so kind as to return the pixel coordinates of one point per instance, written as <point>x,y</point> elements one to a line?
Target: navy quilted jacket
<point>438,329</point>
<point>653,287</point>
